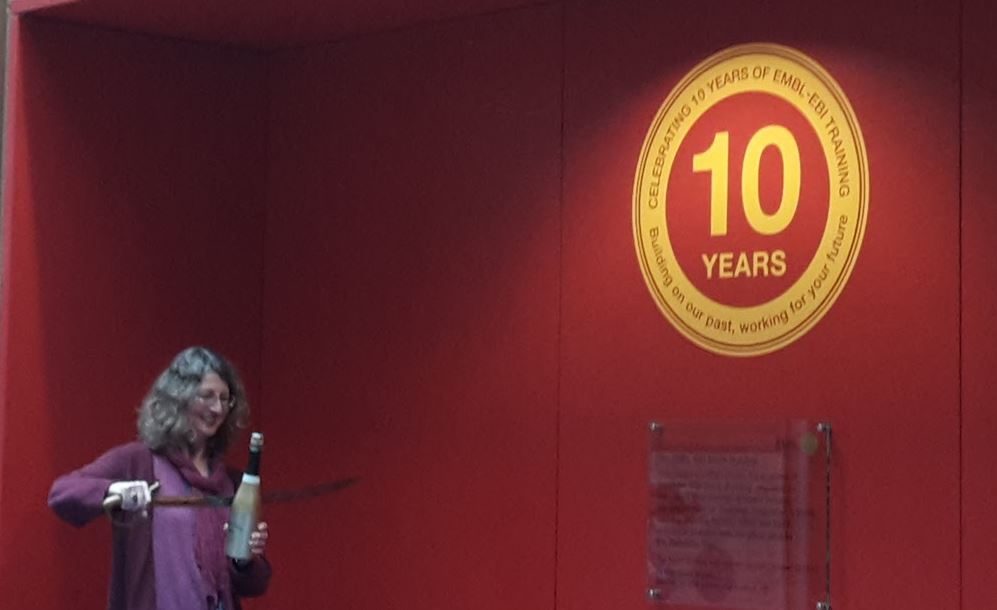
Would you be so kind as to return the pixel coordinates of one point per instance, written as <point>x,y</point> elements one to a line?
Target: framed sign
<point>738,516</point>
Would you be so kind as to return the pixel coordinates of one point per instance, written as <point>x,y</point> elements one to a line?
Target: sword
<point>272,497</point>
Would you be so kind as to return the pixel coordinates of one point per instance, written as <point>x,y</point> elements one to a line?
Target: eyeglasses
<point>209,398</point>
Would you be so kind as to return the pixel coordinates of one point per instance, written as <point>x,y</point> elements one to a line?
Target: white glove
<point>135,495</point>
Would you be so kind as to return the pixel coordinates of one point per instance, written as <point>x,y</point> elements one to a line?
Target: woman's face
<point>209,407</point>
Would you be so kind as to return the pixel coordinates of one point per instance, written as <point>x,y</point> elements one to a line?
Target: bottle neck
<point>254,463</point>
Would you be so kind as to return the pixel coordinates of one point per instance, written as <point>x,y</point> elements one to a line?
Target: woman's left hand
<point>258,539</point>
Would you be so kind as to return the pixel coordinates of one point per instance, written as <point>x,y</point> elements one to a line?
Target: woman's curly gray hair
<point>163,417</point>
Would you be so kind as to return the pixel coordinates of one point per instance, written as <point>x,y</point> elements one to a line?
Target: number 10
<point>715,160</point>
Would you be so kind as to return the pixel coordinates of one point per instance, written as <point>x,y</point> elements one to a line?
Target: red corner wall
<point>134,224</point>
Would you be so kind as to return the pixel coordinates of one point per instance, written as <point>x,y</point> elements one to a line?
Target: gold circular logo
<point>750,199</point>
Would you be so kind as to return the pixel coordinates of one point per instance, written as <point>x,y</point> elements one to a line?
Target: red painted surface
<point>411,299</point>
<point>24,7</point>
<point>260,23</point>
<point>979,293</point>
<point>376,232</point>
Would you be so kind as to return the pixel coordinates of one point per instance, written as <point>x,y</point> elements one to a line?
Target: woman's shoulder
<point>130,449</point>
<point>130,453</point>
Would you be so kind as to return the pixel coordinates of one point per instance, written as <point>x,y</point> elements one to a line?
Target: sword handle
<point>114,500</point>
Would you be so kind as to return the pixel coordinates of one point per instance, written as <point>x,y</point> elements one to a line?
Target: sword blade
<point>272,497</point>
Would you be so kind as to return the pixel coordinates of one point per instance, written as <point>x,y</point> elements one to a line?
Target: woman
<point>172,558</point>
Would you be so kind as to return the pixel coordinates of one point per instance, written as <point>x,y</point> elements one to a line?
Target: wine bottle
<point>245,512</point>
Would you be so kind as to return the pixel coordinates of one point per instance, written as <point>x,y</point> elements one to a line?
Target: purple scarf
<point>209,549</point>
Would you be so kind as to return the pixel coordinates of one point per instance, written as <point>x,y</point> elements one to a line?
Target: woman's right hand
<point>134,495</point>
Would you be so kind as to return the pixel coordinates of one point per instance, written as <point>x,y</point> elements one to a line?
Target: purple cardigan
<point>76,497</point>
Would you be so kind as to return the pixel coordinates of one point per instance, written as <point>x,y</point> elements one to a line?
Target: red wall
<point>411,299</point>
<point>979,293</point>
<point>442,296</point>
<point>134,223</point>
<point>882,365</point>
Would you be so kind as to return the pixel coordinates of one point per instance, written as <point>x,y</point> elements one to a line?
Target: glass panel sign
<point>738,516</point>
